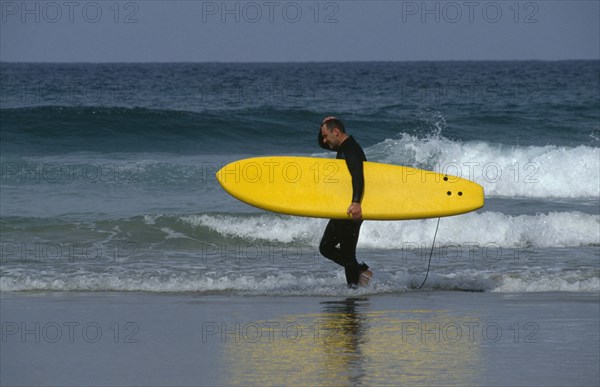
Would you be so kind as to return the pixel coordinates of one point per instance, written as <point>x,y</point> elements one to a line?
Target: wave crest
<point>504,171</point>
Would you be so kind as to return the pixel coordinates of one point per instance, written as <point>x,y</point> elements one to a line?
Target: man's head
<point>333,132</point>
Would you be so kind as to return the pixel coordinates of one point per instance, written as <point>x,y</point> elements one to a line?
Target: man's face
<point>331,139</point>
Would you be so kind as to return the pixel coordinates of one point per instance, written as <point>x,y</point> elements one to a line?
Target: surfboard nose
<point>469,193</point>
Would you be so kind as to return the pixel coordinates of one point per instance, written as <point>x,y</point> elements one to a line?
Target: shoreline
<point>417,338</point>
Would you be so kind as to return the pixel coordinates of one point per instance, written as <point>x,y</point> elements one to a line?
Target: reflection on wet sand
<point>342,335</point>
<point>346,344</point>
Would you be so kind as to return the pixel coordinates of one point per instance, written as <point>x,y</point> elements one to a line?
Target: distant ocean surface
<point>107,175</point>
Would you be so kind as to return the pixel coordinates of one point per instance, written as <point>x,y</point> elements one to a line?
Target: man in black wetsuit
<point>342,232</point>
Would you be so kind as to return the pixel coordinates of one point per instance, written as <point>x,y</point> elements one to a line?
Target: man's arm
<point>354,162</point>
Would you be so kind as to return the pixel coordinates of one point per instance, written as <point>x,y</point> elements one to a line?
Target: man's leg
<point>329,242</point>
<point>348,251</point>
<point>345,233</point>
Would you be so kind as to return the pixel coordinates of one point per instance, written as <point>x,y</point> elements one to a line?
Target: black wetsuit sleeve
<point>355,166</point>
<point>355,157</point>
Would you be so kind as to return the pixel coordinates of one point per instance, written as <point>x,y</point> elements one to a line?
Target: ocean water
<point>107,175</point>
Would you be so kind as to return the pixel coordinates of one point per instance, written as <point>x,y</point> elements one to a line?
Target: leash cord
<point>431,253</point>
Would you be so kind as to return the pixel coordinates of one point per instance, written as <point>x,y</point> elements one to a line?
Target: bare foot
<point>365,277</point>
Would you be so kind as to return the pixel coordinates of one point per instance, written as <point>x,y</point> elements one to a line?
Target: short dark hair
<point>333,123</point>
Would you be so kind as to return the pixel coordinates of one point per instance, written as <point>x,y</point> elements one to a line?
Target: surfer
<point>342,232</point>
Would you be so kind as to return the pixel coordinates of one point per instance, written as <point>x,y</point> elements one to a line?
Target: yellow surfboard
<point>322,188</point>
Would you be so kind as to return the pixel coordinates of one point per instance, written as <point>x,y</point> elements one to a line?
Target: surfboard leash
<point>431,253</point>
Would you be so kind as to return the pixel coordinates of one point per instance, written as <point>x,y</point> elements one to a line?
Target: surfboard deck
<point>322,188</point>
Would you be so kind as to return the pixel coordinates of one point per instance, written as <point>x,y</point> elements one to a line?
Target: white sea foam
<point>271,228</point>
<point>287,283</point>
<point>547,283</point>
<point>555,229</point>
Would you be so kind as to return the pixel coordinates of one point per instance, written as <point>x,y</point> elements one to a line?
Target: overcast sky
<point>291,31</point>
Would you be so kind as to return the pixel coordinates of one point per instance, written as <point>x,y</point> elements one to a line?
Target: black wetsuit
<point>343,232</point>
